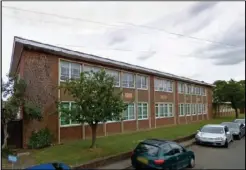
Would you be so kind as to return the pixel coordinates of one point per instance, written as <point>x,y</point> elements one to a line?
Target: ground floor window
<point>129,113</point>
<point>142,111</point>
<point>163,110</point>
<point>64,121</point>
<point>181,109</point>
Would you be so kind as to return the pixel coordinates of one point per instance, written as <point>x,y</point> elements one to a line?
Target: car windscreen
<point>231,125</point>
<point>239,120</point>
<point>148,149</point>
<point>210,129</point>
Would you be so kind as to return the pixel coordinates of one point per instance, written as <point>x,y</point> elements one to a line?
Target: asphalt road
<point>208,157</point>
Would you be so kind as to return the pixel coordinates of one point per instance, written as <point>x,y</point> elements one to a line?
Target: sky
<point>200,40</point>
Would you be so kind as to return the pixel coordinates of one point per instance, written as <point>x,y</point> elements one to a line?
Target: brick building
<point>154,98</point>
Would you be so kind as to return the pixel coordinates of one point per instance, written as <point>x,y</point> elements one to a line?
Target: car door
<point>169,156</point>
<point>228,135</point>
<point>182,159</point>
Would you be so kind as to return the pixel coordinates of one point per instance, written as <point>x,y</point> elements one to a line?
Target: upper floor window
<point>128,80</point>
<point>90,68</point>
<point>163,85</point>
<point>69,70</point>
<point>181,87</point>
<point>142,82</point>
<point>115,75</point>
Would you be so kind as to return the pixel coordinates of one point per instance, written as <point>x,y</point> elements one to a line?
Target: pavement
<point>207,157</point>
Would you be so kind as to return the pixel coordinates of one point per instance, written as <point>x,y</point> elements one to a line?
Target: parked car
<point>237,129</point>
<point>161,154</point>
<point>216,135</point>
<point>50,166</point>
<point>240,121</point>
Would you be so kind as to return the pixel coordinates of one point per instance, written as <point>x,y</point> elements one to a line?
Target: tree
<point>235,93</point>
<point>95,98</point>
<point>218,94</point>
<point>14,91</point>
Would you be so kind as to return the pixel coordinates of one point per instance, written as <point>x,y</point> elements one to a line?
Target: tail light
<point>159,161</point>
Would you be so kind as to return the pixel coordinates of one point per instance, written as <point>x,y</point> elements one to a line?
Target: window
<point>181,87</point>
<point>163,85</point>
<point>166,149</point>
<point>128,80</point>
<point>181,109</point>
<point>199,108</point>
<point>193,109</point>
<point>64,120</point>
<point>69,70</point>
<point>192,89</point>
<point>129,113</point>
<point>147,149</point>
<point>188,89</point>
<point>142,111</point>
<point>188,109</point>
<point>116,76</point>
<point>90,69</point>
<point>204,110</point>
<point>176,148</point>
<point>163,110</point>
<point>141,82</point>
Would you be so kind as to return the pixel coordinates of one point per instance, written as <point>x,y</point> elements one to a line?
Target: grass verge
<point>77,152</point>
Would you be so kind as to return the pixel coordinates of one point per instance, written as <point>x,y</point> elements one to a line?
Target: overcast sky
<point>148,34</point>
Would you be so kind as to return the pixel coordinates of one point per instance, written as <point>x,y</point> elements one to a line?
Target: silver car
<point>237,129</point>
<point>240,121</point>
<point>217,135</point>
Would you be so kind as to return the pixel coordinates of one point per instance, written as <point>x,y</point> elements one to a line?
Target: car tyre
<point>192,163</point>
<point>226,144</point>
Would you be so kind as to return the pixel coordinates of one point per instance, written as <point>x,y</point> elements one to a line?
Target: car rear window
<point>147,149</point>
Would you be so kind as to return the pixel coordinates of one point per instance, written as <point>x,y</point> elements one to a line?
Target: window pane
<point>156,110</point>
<point>64,119</point>
<point>140,111</point>
<point>73,106</point>
<point>170,110</point>
<point>145,111</point>
<point>165,110</point>
<point>131,111</point>
<point>64,70</point>
<point>75,71</point>
<point>128,80</point>
<point>138,82</point>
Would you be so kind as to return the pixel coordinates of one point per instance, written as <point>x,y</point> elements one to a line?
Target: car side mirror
<point>228,133</point>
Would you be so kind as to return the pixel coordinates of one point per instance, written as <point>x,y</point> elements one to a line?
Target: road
<point>208,157</point>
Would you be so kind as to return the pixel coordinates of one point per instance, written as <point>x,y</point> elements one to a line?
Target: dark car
<point>237,129</point>
<point>161,154</point>
<point>50,166</point>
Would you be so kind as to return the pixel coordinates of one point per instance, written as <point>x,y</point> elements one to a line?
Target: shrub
<point>6,152</point>
<point>40,139</point>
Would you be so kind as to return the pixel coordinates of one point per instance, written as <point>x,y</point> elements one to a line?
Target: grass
<point>77,152</point>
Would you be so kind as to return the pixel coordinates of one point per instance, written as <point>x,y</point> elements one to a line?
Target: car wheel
<point>226,144</point>
<point>192,163</point>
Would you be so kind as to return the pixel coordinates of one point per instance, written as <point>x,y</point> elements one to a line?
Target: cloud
<point>201,7</point>
<point>116,37</point>
<point>146,55</point>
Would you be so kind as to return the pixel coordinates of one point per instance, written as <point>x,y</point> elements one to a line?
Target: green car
<point>161,154</point>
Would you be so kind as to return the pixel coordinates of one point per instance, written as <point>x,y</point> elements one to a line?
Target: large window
<point>69,70</point>
<point>64,121</point>
<point>163,85</point>
<point>116,76</point>
<point>128,80</point>
<point>142,82</point>
<point>163,110</point>
<point>181,109</point>
<point>142,111</point>
<point>129,113</point>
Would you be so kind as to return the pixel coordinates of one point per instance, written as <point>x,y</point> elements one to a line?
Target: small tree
<point>95,99</point>
<point>14,91</point>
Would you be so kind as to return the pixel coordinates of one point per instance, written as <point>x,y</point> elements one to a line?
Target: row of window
<point>190,89</point>
<point>192,109</point>
<point>70,70</point>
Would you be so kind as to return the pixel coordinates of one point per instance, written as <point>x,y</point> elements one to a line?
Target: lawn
<point>77,152</point>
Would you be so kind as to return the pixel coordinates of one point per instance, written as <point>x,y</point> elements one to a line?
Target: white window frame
<point>69,69</point>
<point>142,115</point>
<point>163,83</point>
<point>181,107</point>
<point>127,81</point>
<point>70,120</point>
<point>134,112</point>
<point>188,109</point>
<point>166,106</point>
<point>181,88</point>
<point>141,80</point>
<point>108,72</point>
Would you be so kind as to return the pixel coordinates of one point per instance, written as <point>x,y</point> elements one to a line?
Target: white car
<point>217,135</point>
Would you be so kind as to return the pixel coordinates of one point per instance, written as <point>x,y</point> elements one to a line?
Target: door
<point>180,154</point>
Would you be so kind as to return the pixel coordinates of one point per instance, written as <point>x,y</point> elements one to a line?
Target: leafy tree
<point>95,99</point>
<point>14,91</point>
<point>218,94</point>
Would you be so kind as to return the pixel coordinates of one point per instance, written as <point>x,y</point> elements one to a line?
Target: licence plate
<point>142,160</point>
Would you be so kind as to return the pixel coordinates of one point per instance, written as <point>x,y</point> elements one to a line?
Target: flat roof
<point>20,43</point>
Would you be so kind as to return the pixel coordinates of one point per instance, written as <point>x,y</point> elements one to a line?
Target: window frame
<point>165,105</point>
<point>70,120</point>
<point>110,70</point>
<point>134,112</point>
<point>142,103</point>
<point>181,109</point>
<point>164,83</point>
<point>147,81</point>
<point>69,69</point>
<point>134,80</point>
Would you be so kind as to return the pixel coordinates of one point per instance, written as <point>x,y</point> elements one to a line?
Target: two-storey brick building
<point>154,98</point>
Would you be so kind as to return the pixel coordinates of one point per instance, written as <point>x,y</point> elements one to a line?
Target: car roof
<point>156,142</point>
<point>240,119</point>
<point>213,125</point>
